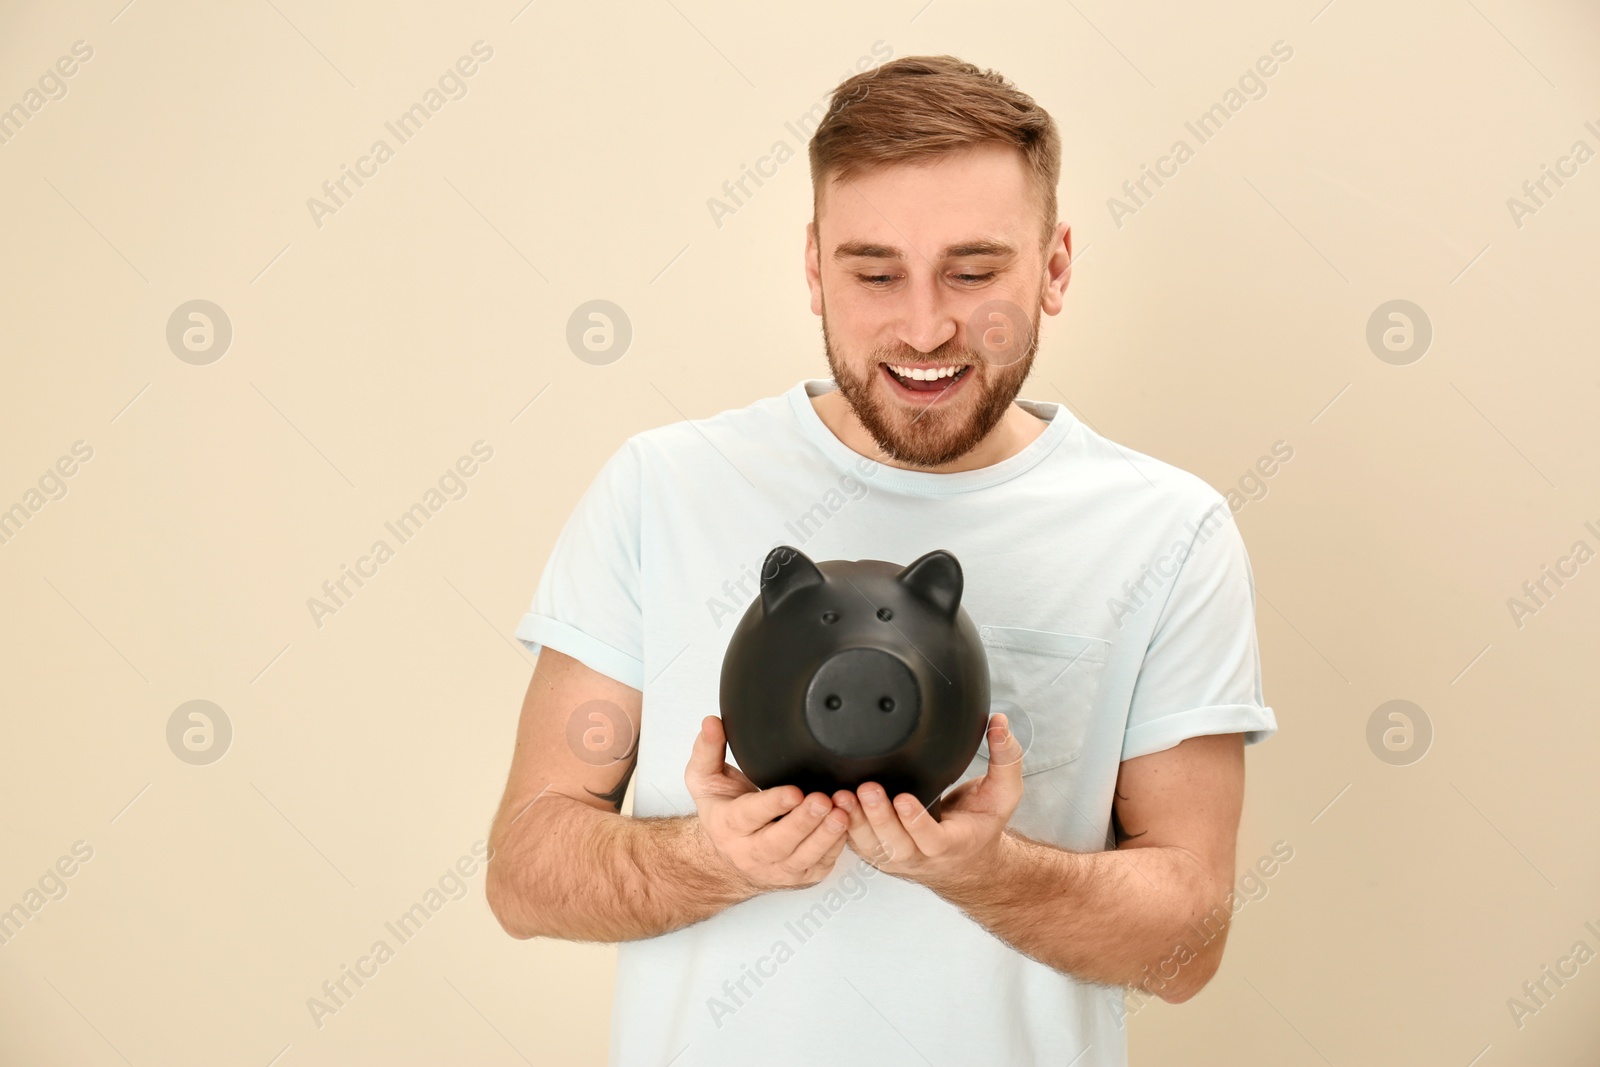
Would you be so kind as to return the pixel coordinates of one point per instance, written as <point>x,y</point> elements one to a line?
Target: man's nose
<point>927,323</point>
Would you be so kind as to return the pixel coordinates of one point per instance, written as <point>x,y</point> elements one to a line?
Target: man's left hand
<point>963,845</point>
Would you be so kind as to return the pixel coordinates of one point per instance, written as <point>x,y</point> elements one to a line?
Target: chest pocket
<point>1045,683</point>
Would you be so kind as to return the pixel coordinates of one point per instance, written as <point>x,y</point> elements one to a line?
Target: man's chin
<point>923,434</point>
<point>921,437</point>
<point>925,459</point>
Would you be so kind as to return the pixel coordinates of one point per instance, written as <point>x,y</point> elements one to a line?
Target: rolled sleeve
<point>587,602</point>
<point>1202,670</point>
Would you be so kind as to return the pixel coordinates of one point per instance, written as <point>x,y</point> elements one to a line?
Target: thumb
<point>710,745</point>
<point>1005,751</point>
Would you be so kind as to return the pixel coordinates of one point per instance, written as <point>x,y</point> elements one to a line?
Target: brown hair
<point>917,108</point>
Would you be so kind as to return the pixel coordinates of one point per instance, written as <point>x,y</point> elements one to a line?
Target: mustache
<point>951,352</point>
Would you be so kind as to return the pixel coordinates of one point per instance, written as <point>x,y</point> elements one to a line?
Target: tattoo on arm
<point>614,795</point>
<point>1117,829</point>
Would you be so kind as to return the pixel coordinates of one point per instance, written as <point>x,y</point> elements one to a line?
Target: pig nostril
<point>833,702</point>
<point>885,614</point>
<point>887,703</point>
<point>830,616</point>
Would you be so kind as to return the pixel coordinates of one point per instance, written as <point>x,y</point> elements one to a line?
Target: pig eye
<point>886,704</point>
<point>833,702</point>
<point>885,614</point>
<point>830,616</point>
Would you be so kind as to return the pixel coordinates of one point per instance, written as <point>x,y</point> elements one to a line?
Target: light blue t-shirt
<point>1115,601</point>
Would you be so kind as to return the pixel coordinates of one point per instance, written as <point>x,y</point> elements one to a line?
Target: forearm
<point>1150,917</point>
<point>569,870</point>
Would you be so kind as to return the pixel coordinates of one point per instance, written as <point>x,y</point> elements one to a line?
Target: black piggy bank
<point>844,672</point>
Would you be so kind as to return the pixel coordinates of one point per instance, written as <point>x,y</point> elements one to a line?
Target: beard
<point>935,434</point>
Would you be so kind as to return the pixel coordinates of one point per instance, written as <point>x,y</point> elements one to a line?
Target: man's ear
<point>1057,270</point>
<point>812,267</point>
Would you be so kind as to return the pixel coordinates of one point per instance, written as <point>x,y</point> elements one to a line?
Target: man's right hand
<point>797,850</point>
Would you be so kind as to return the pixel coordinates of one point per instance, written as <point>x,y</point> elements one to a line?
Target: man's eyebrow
<point>871,250</point>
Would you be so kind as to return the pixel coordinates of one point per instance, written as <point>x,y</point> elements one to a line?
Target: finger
<point>864,842</point>
<point>846,801</point>
<point>779,840</point>
<point>707,774</point>
<point>1005,754</point>
<point>749,813</point>
<point>895,844</point>
<point>814,848</point>
<point>861,835</point>
<point>831,857</point>
<point>706,757</point>
<point>859,832</point>
<point>930,837</point>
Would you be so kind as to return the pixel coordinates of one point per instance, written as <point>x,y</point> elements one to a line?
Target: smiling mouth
<point>926,379</point>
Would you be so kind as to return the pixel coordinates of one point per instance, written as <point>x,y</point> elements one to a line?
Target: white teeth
<point>924,375</point>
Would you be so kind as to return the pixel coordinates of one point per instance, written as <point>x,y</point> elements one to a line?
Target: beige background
<point>367,754</point>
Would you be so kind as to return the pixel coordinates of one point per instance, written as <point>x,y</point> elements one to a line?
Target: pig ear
<point>936,578</point>
<point>786,570</point>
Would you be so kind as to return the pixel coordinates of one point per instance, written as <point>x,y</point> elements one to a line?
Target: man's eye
<point>879,281</point>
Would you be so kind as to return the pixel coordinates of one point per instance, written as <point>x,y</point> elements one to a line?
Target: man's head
<point>933,248</point>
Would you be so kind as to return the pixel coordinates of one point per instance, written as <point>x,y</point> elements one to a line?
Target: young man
<point>1090,845</point>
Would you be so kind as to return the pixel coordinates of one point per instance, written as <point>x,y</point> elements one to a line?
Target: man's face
<point>924,269</point>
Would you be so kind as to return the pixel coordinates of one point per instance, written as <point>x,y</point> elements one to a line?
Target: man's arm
<point>1152,913</point>
<point>565,863</point>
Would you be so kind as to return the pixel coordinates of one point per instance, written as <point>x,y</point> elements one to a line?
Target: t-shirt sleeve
<point>1202,670</point>
<point>587,603</point>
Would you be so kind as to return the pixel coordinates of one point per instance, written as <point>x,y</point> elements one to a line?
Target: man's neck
<point>1015,431</point>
